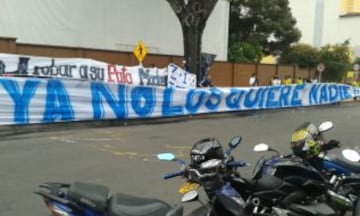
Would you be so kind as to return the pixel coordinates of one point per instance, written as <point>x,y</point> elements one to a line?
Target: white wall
<point>108,24</point>
<point>335,29</point>
<point>338,29</point>
<point>304,12</point>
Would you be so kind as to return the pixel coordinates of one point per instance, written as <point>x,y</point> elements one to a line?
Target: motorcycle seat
<point>127,205</point>
<point>353,166</point>
<point>92,196</point>
<point>319,209</point>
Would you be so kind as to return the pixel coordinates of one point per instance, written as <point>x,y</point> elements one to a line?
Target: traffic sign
<point>140,51</point>
<point>320,67</point>
<point>356,67</point>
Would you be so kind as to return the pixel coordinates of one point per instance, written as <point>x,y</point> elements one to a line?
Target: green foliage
<point>334,72</point>
<point>357,60</point>
<point>338,52</point>
<point>245,52</point>
<point>269,24</point>
<point>304,55</point>
<point>337,59</point>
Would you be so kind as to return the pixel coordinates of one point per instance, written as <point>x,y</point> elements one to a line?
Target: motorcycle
<point>352,182</point>
<point>294,171</point>
<point>298,194</point>
<point>260,195</point>
<point>331,163</point>
<point>222,199</point>
<point>342,174</point>
<point>343,183</point>
<point>86,199</point>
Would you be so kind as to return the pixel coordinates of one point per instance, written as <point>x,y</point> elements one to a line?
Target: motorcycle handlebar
<point>174,174</point>
<point>235,164</point>
<point>188,172</point>
<point>331,145</point>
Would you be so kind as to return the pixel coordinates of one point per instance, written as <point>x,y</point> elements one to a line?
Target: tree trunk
<point>193,17</point>
<point>192,50</point>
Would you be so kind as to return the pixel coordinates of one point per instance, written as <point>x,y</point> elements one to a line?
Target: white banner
<point>179,78</point>
<point>91,70</point>
<point>31,100</point>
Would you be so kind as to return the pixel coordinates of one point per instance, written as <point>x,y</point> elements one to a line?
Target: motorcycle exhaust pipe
<point>340,200</point>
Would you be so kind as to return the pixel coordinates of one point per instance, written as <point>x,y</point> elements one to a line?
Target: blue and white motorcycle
<point>86,199</point>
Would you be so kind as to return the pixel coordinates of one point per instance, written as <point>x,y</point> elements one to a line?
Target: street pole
<point>320,68</point>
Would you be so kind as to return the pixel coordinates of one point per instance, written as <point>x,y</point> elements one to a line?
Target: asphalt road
<point>124,157</point>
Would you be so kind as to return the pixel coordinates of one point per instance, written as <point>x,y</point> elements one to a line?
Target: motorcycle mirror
<point>166,156</point>
<point>235,141</point>
<point>213,163</point>
<point>351,155</point>
<point>190,196</point>
<point>262,147</point>
<point>325,126</point>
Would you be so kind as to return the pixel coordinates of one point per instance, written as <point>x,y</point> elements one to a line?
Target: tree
<point>356,60</point>
<point>337,59</point>
<point>304,55</point>
<point>193,15</point>
<point>245,52</point>
<point>268,23</point>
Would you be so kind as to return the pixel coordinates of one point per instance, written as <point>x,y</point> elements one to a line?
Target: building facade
<point>328,21</point>
<point>110,25</point>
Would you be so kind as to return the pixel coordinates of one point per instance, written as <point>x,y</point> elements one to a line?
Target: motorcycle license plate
<point>188,186</point>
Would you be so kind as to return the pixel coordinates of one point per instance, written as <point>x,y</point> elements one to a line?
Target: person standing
<point>185,66</point>
<point>287,80</point>
<point>356,84</point>
<point>206,82</point>
<point>299,81</point>
<point>253,80</point>
<point>276,81</point>
<point>314,80</point>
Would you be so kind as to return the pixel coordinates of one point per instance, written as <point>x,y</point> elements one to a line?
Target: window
<point>350,7</point>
